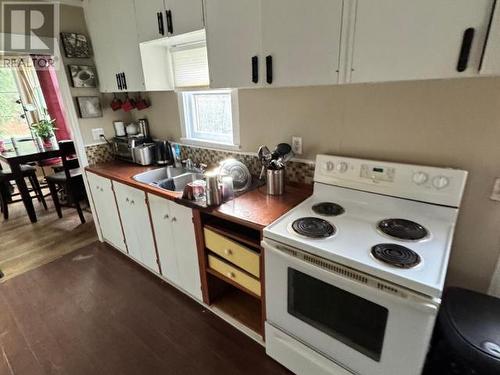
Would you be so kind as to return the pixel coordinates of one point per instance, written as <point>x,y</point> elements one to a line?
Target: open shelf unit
<point>229,295</point>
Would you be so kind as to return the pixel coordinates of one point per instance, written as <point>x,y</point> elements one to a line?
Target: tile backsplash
<point>99,153</point>
<point>296,171</point>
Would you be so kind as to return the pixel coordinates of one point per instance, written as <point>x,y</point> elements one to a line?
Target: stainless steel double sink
<point>169,178</point>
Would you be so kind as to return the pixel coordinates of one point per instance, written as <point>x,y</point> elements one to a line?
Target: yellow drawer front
<point>233,252</point>
<point>234,274</point>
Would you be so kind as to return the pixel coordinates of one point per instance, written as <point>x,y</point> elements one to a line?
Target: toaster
<point>144,154</point>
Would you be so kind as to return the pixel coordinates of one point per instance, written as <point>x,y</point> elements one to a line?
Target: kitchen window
<point>210,118</point>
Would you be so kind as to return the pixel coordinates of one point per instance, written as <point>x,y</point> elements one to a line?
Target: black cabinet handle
<point>118,81</point>
<point>269,69</point>
<point>255,69</point>
<point>124,81</point>
<point>463,60</point>
<point>161,28</point>
<point>170,26</point>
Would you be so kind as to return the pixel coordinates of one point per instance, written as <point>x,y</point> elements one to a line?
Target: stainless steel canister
<point>275,181</point>
<point>212,190</point>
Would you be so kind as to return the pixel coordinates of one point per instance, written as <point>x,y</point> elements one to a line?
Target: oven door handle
<point>352,285</point>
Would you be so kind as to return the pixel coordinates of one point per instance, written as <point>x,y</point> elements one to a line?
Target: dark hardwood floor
<point>95,312</point>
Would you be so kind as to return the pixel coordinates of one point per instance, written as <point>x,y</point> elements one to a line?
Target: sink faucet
<point>189,164</point>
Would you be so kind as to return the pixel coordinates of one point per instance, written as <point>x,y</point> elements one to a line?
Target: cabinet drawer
<point>234,274</point>
<point>233,252</point>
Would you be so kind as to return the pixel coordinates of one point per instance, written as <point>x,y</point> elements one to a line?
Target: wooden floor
<point>24,246</point>
<point>95,312</point>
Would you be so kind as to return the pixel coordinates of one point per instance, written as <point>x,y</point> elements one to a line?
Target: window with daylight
<point>210,117</point>
<point>20,96</point>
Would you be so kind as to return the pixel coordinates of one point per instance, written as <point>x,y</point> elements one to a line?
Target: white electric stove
<point>355,273</point>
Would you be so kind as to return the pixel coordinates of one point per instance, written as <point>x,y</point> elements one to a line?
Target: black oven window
<point>346,317</point>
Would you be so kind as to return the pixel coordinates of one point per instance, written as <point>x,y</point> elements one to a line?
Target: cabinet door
<point>185,15</point>
<point>126,43</point>
<point>136,224</point>
<point>491,61</point>
<point>185,248</point>
<point>162,226</point>
<point>303,38</point>
<point>106,210</point>
<point>233,38</point>
<point>97,15</point>
<point>150,19</point>
<point>407,39</point>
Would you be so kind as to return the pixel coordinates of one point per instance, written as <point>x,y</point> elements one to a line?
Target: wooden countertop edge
<point>305,191</point>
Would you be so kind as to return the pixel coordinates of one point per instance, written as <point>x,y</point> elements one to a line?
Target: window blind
<point>190,65</point>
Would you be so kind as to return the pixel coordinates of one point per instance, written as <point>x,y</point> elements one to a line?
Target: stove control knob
<point>420,178</point>
<point>342,167</point>
<point>440,182</point>
<point>329,166</point>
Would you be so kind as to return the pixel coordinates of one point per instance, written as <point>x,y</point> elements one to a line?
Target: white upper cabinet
<point>161,18</point>
<point>184,16</point>
<point>113,32</point>
<point>303,39</point>
<point>151,19</point>
<point>136,224</point>
<point>491,60</point>
<point>254,43</point>
<point>233,39</point>
<point>407,39</point>
<point>127,44</point>
<point>96,16</point>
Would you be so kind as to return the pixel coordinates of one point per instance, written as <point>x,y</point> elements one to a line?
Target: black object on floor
<point>467,335</point>
<point>1,274</point>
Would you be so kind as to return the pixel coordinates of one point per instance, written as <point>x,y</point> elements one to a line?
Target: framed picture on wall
<point>75,45</point>
<point>89,106</point>
<point>83,76</point>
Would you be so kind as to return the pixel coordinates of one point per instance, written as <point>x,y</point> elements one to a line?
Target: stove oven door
<point>362,323</point>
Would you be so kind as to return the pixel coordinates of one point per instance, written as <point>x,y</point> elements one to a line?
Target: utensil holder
<point>275,181</point>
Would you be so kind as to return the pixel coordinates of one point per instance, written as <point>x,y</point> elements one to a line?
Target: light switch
<point>96,133</point>
<point>495,195</point>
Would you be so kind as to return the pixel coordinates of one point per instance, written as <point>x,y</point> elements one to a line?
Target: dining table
<point>22,153</point>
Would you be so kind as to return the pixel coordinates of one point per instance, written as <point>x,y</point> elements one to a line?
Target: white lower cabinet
<point>134,213</point>
<point>176,243</point>
<point>107,213</point>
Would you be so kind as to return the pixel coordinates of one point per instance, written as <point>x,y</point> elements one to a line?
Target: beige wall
<point>449,123</point>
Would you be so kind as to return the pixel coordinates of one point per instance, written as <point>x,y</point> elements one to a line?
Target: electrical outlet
<point>297,145</point>
<point>96,133</point>
<point>495,195</point>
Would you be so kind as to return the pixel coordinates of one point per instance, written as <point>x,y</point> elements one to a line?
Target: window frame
<point>186,125</point>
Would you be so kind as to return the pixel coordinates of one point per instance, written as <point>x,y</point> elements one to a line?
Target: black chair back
<point>68,157</point>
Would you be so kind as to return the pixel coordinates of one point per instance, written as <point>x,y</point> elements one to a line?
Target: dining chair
<point>70,179</point>
<point>6,194</point>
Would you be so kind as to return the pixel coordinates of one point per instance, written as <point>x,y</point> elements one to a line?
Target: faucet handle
<point>202,167</point>
<point>188,163</point>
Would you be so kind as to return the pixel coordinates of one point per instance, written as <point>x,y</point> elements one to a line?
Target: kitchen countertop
<point>254,208</point>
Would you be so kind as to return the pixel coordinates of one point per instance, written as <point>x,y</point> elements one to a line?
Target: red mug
<point>116,104</point>
<point>128,104</point>
<point>141,104</point>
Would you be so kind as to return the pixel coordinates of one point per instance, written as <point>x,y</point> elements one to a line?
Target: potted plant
<point>44,130</point>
